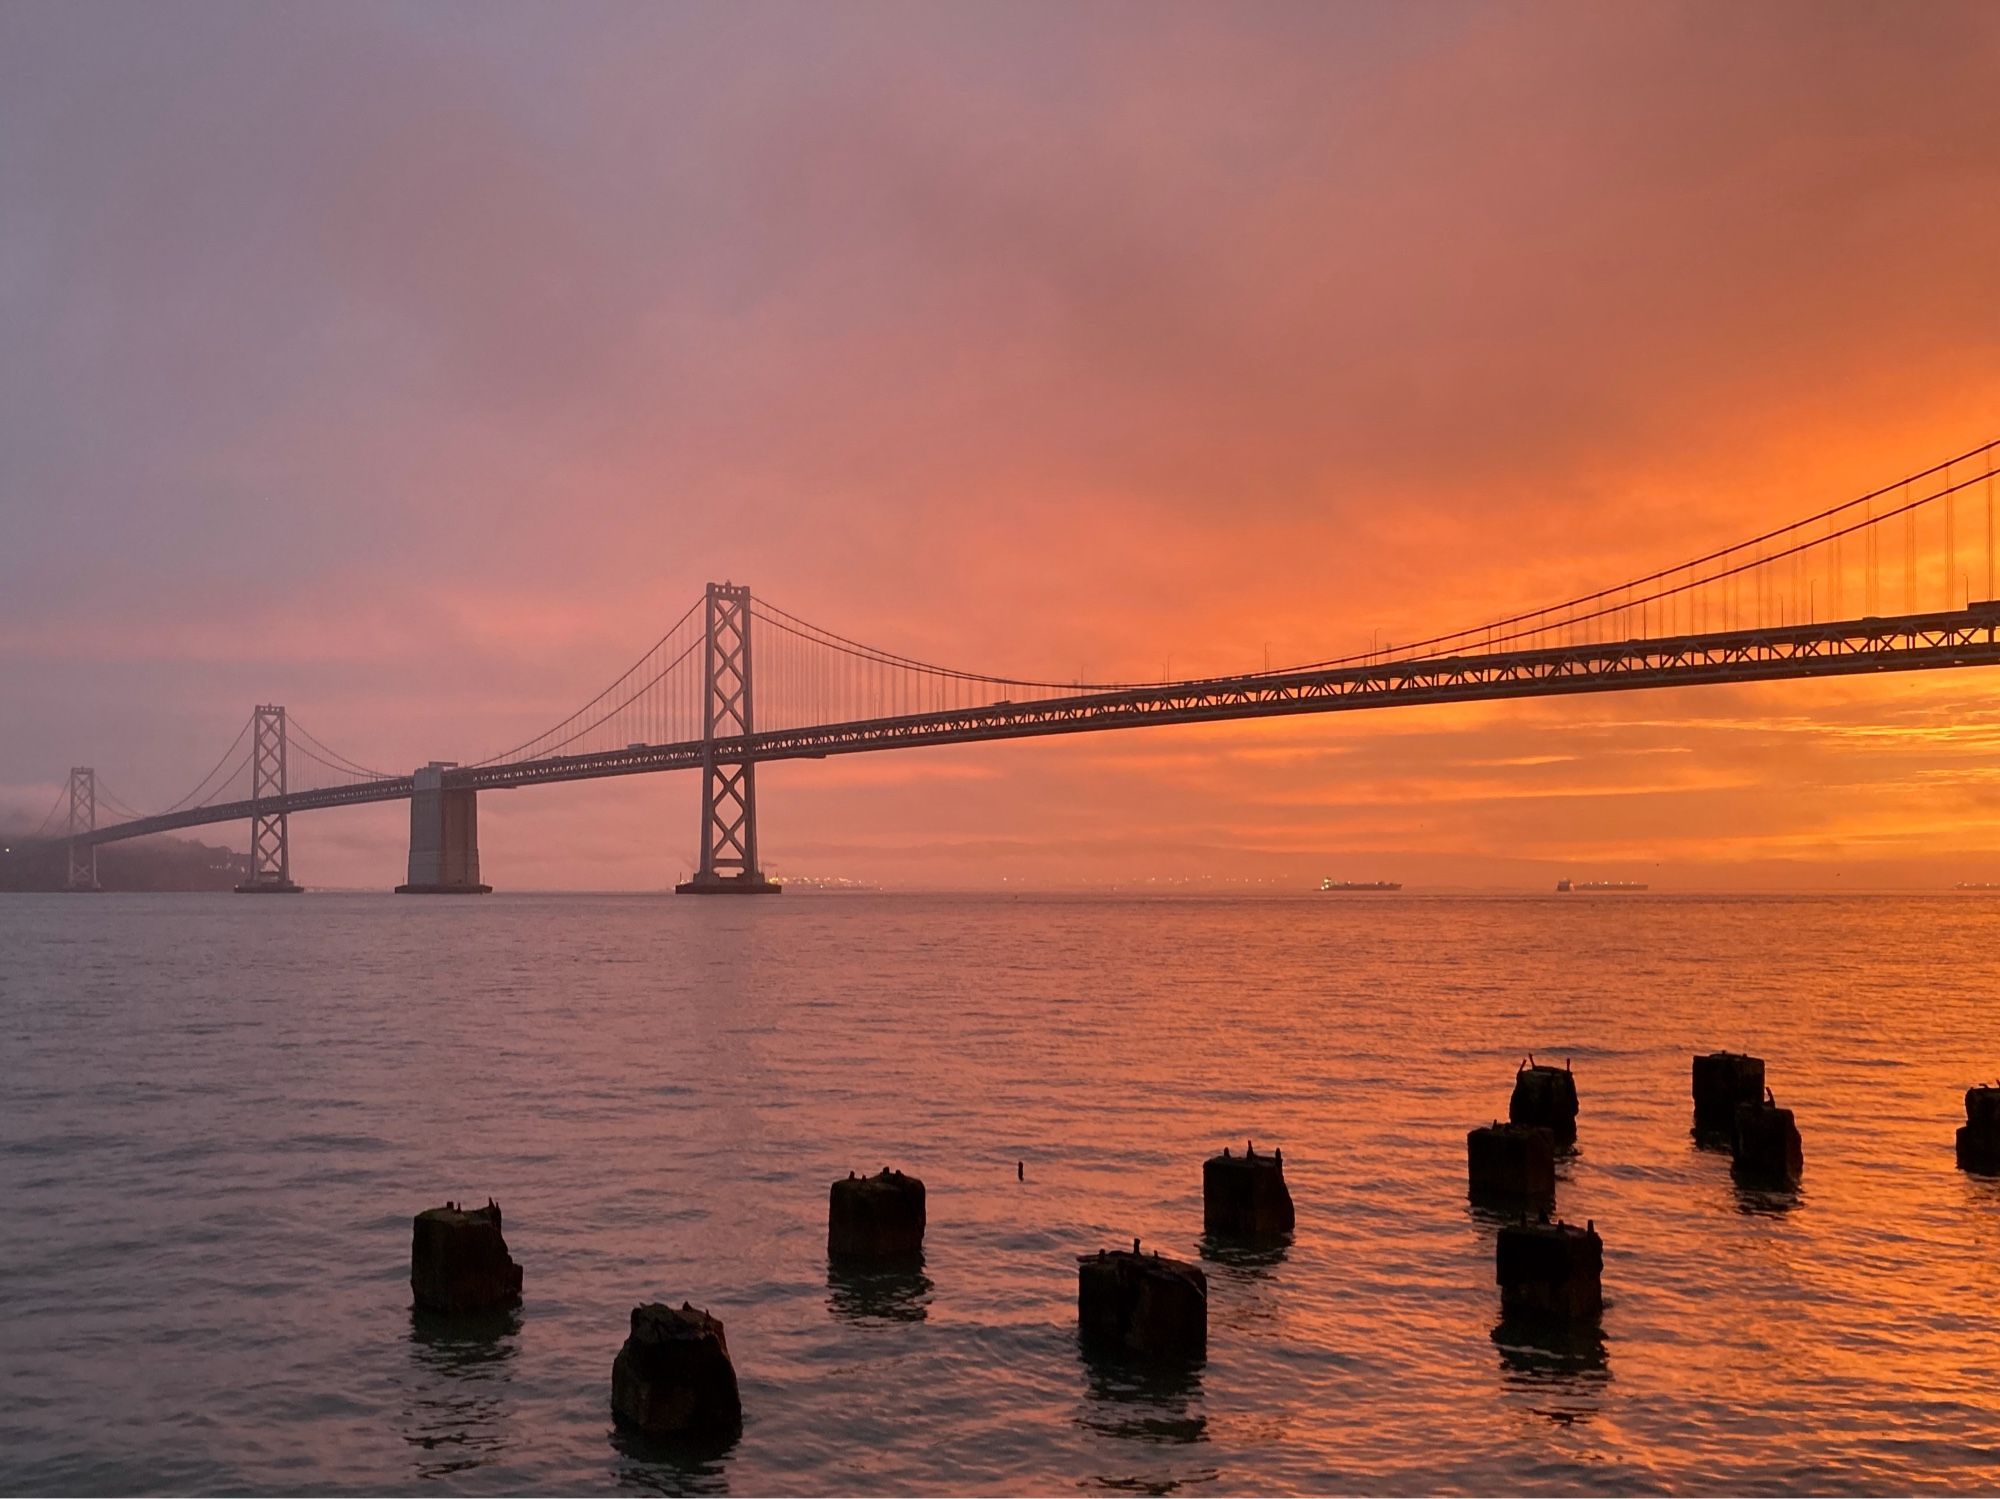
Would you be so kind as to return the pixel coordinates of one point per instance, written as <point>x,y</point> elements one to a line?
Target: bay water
<point>217,1117</point>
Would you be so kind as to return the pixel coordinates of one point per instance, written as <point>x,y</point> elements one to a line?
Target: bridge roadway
<point>1913,642</point>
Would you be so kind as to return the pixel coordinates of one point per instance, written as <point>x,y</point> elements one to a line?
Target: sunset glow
<point>1169,747</point>
<point>419,384</point>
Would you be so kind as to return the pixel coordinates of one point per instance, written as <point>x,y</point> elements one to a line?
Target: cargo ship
<point>1359,885</point>
<point>1564,887</point>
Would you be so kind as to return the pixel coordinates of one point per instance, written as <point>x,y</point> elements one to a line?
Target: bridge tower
<point>82,819</point>
<point>728,773</point>
<point>270,829</point>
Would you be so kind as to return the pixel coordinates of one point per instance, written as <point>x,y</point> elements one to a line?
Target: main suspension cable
<point>203,782</point>
<point>342,762</point>
<point>61,797</point>
<point>619,681</point>
<point>612,712</point>
<point>1657,574</point>
<point>1536,620</point>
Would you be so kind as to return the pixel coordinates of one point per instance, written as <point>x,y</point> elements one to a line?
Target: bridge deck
<point>1916,642</point>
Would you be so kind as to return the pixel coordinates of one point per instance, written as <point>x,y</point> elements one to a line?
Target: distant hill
<point>138,864</point>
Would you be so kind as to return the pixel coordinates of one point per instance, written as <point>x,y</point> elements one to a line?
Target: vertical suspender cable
<point>1909,556</point>
<point>1950,541</point>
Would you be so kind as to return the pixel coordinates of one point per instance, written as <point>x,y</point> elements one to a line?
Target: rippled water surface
<point>220,1115</point>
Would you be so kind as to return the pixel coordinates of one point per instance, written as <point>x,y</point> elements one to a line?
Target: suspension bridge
<point>737,682</point>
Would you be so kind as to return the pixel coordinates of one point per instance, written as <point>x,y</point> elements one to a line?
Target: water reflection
<point>1753,1195</point>
<point>1492,1214</point>
<point>1982,1189</point>
<point>1256,1301</point>
<point>1256,1258</point>
<point>877,1293</point>
<point>657,1466</point>
<point>1714,1141</point>
<point>1153,1406</point>
<point>456,1410</point>
<point>1563,1370</point>
<point>1138,1483</point>
<point>1764,1201</point>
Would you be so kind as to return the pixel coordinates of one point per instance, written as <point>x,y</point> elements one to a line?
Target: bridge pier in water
<point>444,837</point>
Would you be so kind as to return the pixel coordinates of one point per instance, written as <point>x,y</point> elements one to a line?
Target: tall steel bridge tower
<point>82,819</point>
<point>270,823</point>
<point>728,773</point>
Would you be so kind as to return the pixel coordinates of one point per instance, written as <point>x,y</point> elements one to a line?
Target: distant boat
<point>1359,885</point>
<point>1564,887</point>
<point>1975,885</point>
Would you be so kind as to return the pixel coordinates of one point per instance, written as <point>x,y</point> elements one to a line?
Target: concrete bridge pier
<point>444,837</point>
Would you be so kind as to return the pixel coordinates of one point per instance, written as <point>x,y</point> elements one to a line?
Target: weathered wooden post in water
<point>1511,1165</point>
<point>674,1377</point>
<point>1546,1096</point>
<point>1768,1152</point>
<point>459,1261</point>
<point>1550,1271</point>
<point>1245,1196</point>
<point>1979,1136</point>
<point>1142,1304</point>
<point>878,1217</point>
<point>1724,1080</point>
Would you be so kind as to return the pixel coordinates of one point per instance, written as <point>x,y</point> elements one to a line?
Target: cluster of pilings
<point>673,1377</point>
<point>1733,1106</point>
<point>1552,1271</point>
<point>1133,1304</point>
<point>1547,1270</point>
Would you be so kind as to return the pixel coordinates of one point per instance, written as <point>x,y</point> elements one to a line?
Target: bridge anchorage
<point>728,773</point>
<point>270,823</point>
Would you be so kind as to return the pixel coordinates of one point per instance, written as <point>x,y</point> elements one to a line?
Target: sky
<point>416,365</point>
